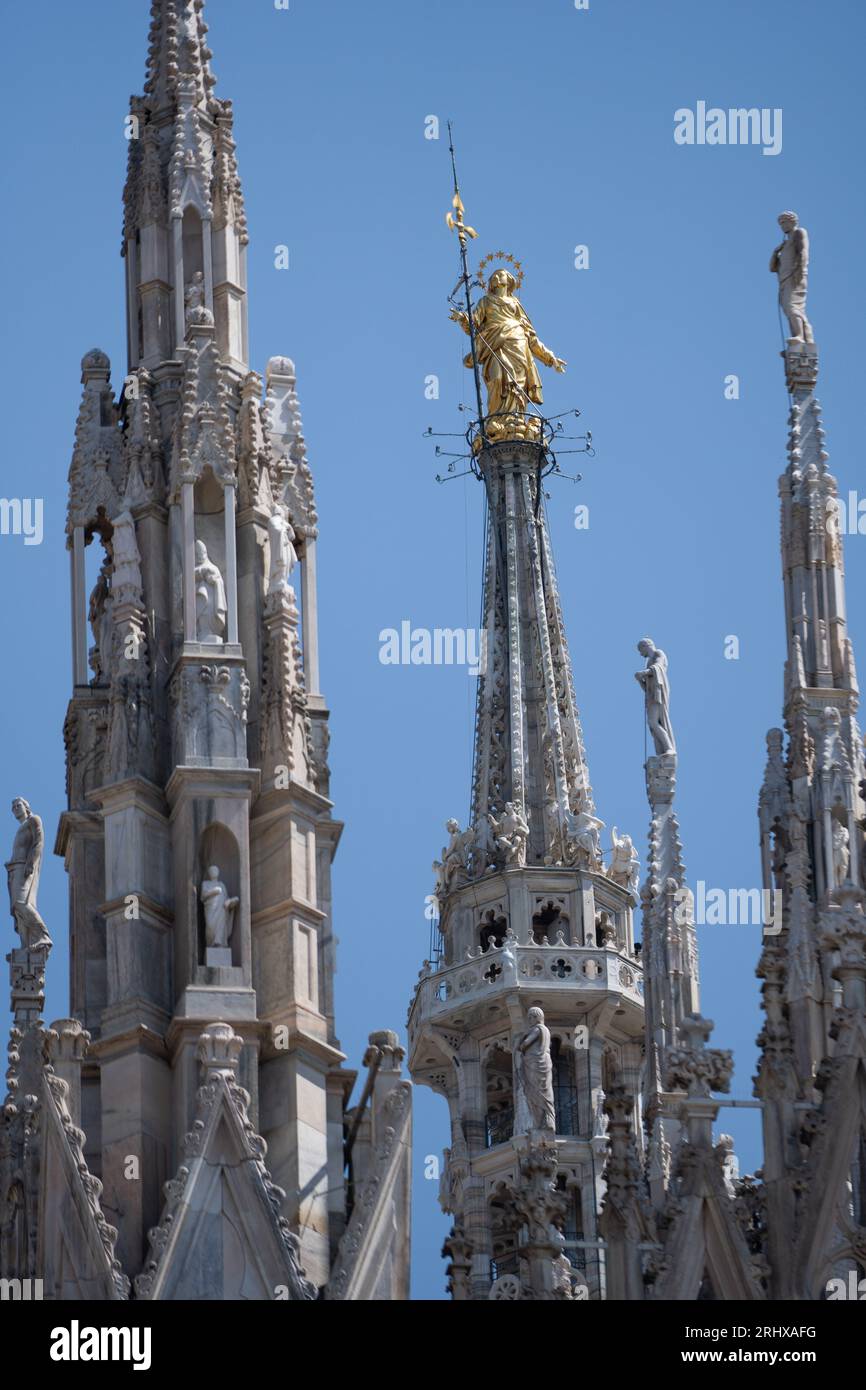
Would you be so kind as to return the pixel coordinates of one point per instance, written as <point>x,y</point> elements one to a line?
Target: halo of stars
<point>516,265</point>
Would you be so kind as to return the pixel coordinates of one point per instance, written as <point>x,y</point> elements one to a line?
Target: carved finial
<point>219,1049</point>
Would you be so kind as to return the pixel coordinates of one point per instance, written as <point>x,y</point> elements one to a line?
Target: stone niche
<point>218,847</point>
<point>210,520</point>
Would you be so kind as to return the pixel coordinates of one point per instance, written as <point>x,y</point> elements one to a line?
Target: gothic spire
<point>185,226</point>
<point>529,748</point>
<point>811,806</point>
<point>178,53</point>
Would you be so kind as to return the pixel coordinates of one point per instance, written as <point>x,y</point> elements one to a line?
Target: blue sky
<point>564,123</point>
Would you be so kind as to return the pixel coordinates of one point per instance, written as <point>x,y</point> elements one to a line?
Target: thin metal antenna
<point>457,224</point>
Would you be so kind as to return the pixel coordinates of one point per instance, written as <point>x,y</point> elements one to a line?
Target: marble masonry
<point>582,1161</point>
<point>189,1131</point>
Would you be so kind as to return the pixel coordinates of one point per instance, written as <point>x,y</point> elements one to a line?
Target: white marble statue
<point>841,852</point>
<point>455,855</point>
<point>23,875</point>
<point>126,573</point>
<point>600,1118</point>
<point>583,831</point>
<point>219,909</point>
<point>99,617</point>
<point>624,866</point>
<point>654,681</point>
<point>510,833</point>
<point>534,1068</point>
<point>210,597</point>
<point>790,261</point>
<point>284,557</point>
<point>196,311</point>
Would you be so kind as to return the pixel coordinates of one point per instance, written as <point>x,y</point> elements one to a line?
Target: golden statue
<point>506,344</point>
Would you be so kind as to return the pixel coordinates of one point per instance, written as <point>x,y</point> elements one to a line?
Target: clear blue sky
<point>564,123</point>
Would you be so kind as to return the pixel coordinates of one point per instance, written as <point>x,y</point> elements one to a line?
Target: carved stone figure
<point>600,1117</point>
<point>506,344</point>
<point>624,864</point>
<point>99,617</point>
<point>534,1067</point>
<point>210,597</point>
<point>841,852</point>
<point>453,867</point>
<point>583,833</point>
<point>654,682</point>
<point>284,557</point>
<point>219,909</point>
<point>23,875</point>
<point>790,261</point>
<point>196,311</point>
<point>510,833</point>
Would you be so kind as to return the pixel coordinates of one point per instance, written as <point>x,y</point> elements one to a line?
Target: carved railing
<point>542,968</point>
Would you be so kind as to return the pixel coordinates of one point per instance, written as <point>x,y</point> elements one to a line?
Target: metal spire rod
<point>461,231</point>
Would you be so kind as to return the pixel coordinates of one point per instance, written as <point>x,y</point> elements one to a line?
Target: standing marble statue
<point>790,261</point>
<point>99,617</point>
<point>210,597</point>
<point>219,910</point>
<point>654,681</point>
<point>841,853</point>
<point>284,557</point>
<point>23,874</point>
<point>624,867</point>
<point>534,1068</point>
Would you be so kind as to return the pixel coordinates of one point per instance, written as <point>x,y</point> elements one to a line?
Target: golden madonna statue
<point>507,344</point>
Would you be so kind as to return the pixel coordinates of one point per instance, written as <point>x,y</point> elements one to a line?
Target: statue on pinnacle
<point>507,346</point>
<point>23,874</point>
<point>790,261</point>
<point>654,681</point>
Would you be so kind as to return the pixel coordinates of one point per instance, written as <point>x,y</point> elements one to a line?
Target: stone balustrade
<point>541,968</point>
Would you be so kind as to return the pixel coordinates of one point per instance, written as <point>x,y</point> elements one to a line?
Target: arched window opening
<point>564,1089</point>
<point>500,1099</point>
<point>547,922</point>
<point>493,929</point>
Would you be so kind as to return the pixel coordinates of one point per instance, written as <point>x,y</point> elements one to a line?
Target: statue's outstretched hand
<point>560,364</point>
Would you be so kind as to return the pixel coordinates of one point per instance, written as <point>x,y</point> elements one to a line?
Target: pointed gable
<point>221,1236</point>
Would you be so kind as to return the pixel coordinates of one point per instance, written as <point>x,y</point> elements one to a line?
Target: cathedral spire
<point>534,1006</point>
<point>185,231</point>
<point>199,832</point>
<point>811,806</point>
<point>178,51</point>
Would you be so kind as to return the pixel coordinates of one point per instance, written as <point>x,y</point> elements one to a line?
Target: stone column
<point>179,306</point>
<point>207,254</point>
<point>188,560</point>
<point>229,495</point>
<point>79,609</point>
<point>309,606</point>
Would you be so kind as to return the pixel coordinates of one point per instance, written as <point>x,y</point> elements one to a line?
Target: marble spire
<point>184,220</point>
<point>529,748</point>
